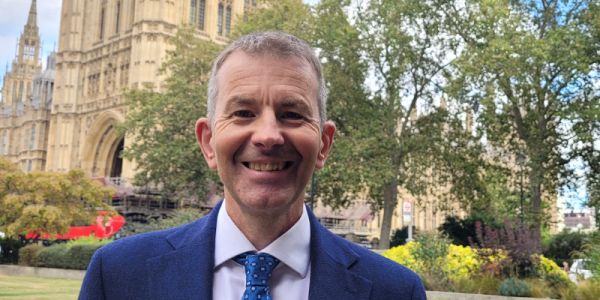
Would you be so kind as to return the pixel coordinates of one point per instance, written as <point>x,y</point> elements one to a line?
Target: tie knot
<point>258,267</point>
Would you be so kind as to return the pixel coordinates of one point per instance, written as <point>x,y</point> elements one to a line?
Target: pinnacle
<point>32,18</point>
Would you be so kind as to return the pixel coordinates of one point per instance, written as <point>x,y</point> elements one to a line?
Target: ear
<point>204,137</point>
<point>327,135</point>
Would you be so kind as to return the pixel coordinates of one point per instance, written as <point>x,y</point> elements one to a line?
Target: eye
<point>291,115</point>
<point>243,114</point>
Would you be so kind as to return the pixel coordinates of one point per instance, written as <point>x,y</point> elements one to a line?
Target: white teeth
<point>266,167</point>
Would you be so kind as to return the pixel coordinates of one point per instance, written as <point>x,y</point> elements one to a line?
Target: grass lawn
<point>30,288</point>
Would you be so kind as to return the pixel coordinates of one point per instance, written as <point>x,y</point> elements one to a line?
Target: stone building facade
<point>106,47</point>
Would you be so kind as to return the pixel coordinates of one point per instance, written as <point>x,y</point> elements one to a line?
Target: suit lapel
<point>187,271</point>
<point>331,277</point>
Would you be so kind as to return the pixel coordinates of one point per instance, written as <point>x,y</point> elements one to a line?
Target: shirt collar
<point>292,248</point>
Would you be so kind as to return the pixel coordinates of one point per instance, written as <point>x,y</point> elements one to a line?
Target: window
<point>228,20</point>
<point>197,9</point>
<point>220,19</point>
<point>201,10</point>
<point>101,32</point>
<point>3,139</point>
<point>32,139</point>
<point>20,95</point>
<point>193,12</point>
<point>29,52</point>
<point>118,17</point>
<point>224,19</point>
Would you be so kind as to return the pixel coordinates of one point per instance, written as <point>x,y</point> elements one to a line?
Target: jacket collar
<point>187,271</point>
<point>331,262</point>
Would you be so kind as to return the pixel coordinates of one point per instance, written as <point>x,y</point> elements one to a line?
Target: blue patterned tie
<point>258,267</point>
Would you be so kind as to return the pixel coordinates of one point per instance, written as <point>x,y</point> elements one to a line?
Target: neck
<point>262,228</point>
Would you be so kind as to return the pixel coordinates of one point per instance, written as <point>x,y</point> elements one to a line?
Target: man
<point>265,135</point>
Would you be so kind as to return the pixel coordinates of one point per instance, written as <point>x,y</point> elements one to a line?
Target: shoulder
<point>388,277</point>
<point>135,250</point>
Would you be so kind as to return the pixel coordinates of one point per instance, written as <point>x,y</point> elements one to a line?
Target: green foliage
<point>28,254</point>
<point>175,218</point>
<point>54,256</point>
<point>448,267</point>
<point>291,16</point>
<point>161,124</point>
<point>591,252</point>
<point>72,255</point>
<point>47,202</point>
<point>530,70</point>
<point>514,287</point>
<point>432,251</point>
<point>563,245</point>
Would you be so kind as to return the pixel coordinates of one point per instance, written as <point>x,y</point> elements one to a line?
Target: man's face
<point>265,141</point>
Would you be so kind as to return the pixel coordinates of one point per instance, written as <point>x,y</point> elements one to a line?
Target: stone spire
<point>29,42</point>
<point>32,18</point>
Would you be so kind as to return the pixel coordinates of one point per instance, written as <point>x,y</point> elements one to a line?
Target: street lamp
<point>521,162</point>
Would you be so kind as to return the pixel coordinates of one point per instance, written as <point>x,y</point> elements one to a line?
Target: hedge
<point>28,254</point>
<point>64,256</point>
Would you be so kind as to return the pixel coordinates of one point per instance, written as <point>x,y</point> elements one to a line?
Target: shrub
<point>591,252</point>
<point>514,287</point>
<point>432,252</point>
<point>461,262</point>
<point>28,254</point>
<point>550,272</point>
<point>54,256</point>
<point>519,242</point>
<point>403,255</point>
<point>75,254</point>
<point>561,246</point>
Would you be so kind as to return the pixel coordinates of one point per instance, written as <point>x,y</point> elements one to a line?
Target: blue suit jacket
<point>178,264</point>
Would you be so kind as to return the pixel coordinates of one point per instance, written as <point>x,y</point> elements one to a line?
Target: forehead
<point>242,68</point>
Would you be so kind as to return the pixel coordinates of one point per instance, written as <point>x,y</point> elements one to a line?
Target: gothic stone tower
<point>22,126</point>
<point>106,47</point>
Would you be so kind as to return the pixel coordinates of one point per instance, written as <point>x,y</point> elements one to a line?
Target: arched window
<point>220,19</point>
<point>224,19</point>
<point>197,11</point>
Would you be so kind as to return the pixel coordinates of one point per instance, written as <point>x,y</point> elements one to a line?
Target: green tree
<point>529,66</point>
<point>47,202</point>
<point>161,123</point>
<point>408,49</point>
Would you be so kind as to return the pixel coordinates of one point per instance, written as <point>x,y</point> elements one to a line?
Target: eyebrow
<point>295,103</point>
<point>237,101</point>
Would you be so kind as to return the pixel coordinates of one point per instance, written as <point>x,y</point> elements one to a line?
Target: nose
<point>267,133</point>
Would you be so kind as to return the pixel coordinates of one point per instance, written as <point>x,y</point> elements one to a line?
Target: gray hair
<point>276,43</point>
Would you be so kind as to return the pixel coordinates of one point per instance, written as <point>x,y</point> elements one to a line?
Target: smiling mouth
<point>267,167</point>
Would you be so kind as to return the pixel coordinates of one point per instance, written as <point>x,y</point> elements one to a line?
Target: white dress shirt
<point>291,278</point>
